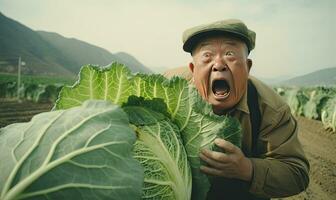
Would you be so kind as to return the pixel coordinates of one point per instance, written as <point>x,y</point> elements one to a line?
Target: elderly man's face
<point>220,70</point>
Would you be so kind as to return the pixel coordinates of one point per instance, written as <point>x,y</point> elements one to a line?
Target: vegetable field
<point>12,111</point>
<point>92,128</point>
<point>151,142</point>
<point>32,92</point>
<point>319,146</point>
<point>317,103</point>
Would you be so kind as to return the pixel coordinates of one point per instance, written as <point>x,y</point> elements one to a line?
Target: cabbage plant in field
<point>317,100</point>
<point>329,114</point>
<point>8,90</point>
<point>48,93</point>
<point>291,99</point>
<point>30,91</point>
<point>171,123</point>
<point>80,153</point>
<point>314,103</point>
<point>296,99</point>
<point>193,116</point>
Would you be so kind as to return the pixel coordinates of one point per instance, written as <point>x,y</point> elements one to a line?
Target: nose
<point>219,65</point>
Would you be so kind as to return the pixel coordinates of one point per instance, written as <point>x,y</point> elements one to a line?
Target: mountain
<point>40,56</point>
<point>182,71</point>
<point>84,53</point>
<point>323,77</point>
<point>47,53</point>
<point>130,61</point>
<point>274,80</point>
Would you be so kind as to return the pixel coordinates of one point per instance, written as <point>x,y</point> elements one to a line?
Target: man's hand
<point>231,164</point>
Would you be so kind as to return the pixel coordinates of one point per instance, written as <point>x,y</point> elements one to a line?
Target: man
<point>271,162</point>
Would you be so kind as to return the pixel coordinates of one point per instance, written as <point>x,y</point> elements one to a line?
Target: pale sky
<point>294,37</point>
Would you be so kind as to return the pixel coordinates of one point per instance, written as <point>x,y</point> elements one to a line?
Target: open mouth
<point>221,88</point>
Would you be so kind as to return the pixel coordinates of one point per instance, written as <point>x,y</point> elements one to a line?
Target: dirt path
<point>319,146</point>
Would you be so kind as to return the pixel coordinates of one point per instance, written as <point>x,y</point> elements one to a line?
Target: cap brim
<point>190,44</point>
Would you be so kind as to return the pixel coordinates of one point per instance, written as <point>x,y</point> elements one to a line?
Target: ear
<point>249,64</point>
<point>191,67</point>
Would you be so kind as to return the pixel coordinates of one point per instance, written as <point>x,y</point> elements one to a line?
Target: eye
<point>230,53</point>
<point>206,55</point>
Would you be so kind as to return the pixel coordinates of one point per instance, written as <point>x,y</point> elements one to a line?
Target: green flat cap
<point>232,27</point>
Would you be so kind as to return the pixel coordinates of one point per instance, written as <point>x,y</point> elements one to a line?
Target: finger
<point>211,171</point>
<point>211,162</point>
<point>226,145</point>
<point>214,155</point>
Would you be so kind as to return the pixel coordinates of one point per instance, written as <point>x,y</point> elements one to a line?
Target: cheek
<point>239,69</point>
<point>201,71</point>
<point>239,75</point>
<point>201,79</point>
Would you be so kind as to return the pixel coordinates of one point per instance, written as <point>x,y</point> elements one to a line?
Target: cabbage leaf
<point>192,116</point>
<point>84,152</point>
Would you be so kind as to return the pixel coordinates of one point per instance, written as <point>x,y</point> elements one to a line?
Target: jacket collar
<point>242,104</point>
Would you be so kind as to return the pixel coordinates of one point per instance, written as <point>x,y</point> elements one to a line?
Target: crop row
<point>317,103</point>
<point>30,91</point>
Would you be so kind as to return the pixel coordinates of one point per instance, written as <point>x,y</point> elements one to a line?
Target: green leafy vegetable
<point>329,114</point>
<point>296,99</point>
<point>317,101</point>
<point>192,116</point>
<point>80,153</point>
<point>314,103</point>
<point>160,150</point>
<point>111,84</point>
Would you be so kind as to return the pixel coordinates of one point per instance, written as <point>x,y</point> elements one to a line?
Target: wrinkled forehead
<point>214,40</point>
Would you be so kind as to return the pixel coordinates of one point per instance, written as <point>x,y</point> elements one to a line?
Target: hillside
<point>47,53</point>
<point>131,62</point>
<point>322,77</point>
<point>40,56</point>
<point>84,53</point>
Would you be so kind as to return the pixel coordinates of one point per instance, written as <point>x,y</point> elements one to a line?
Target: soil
<point>319,146</point>
<point>12,111</point>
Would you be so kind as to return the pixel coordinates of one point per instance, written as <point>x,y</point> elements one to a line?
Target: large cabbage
<point>296,99</point>
<point>80,153</point>
<point>160,150</point>
<point>317,100</point>
<point>170,119</point>
<point>328,115</point>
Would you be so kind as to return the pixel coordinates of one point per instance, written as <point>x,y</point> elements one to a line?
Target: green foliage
<point>33,88</point>
<point>49,93</point>
<point>34,79</point>
<point>317,100</point>
<point>328,115</point>
<point>170,119</point>
<point>8,90</point>
<point>80,153</point>
<point>160,151</point>
<point>192,116</point>
<point>314,103</point>
<point>296,100</point>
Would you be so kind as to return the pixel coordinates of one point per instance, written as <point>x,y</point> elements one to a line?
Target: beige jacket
<point>282,168</point>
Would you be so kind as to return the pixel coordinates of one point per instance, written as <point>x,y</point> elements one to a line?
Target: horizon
<point>295,38</point>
